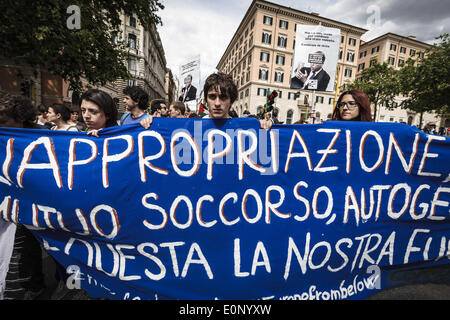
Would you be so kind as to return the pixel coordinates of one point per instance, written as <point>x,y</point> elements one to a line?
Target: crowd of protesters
<point>22,275</point>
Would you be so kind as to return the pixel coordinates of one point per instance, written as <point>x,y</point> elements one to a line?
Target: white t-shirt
<point>7,234</point>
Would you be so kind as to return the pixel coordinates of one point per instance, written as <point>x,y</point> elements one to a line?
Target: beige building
<point>260,55</point>
<point>146,63</point>
<point>395,50</point>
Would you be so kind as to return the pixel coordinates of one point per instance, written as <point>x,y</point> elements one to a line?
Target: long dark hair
<point>104,102</point>
<point>363,102</point>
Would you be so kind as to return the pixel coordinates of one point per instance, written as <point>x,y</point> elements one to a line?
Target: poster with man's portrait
<point>315,58</point>
<point>190,81</point>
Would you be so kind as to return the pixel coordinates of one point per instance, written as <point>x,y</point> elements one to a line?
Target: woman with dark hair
<point>59,114</point>
<point>98,110</point>
<point>352,105</point>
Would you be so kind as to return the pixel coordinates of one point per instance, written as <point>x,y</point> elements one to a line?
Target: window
<point>280,60</point>
<point>375,49</point>
<point>250,41</point>
<point>402,50</point>
<point>265,56</point>
<point>401,62</point>
<point>306,99</point>
<point>352,41</point>
<point>361,66</point>
<point>266,38</point>
<point>373,62</point>
<point>252,24</point>
<point>132,64</point>
<point>330,100</point>
<point>421,55</point>
<point>280,94</point>
<point>342,39</point>
<point>291,96</point>
<point>279,76</point>
<point>319,99</point>
<point>132,22</point>
<point>391,61</point>
<point>262,92</point>
<point>284,24</point>
<point>132,82</point>
<point>412,52</point>
<point>247,76</point>
<point>246,92</point>
<point>267,20</point>
<point>362,54</point>
<point>131,41</point>
<point>263,74</point>
<point>350,56</point>
<point>340,54</point>
<point>249,60</point>
<point>289,116</point>
<point>393,47</point>
<point>348,72</point>
<point>282,41</point>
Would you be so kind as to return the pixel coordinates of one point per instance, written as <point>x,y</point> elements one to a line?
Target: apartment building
<point>395,50</point>
<point>260,54</point>
<point>146,63</point>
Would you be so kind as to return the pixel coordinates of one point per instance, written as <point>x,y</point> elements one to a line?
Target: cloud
<point>205,28</point>
<point>425,20</point>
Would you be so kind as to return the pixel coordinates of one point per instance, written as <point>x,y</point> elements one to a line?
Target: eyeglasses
<point>350,105</point>
<point>213,96</point>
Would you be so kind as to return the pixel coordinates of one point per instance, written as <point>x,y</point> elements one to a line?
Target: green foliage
<point>426,82</point>
<point>36,33</point>
<point>380,83</point>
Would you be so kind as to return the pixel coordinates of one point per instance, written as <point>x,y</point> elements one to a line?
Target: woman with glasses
<point>352,105</point>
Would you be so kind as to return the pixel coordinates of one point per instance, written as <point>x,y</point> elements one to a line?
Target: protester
<point>41,118</point>
<point>136,103</point>
<point>352,105</point>
<point>220,92</point>
<point>267,122</point>
<point>98,110</point>
<point>20,252</point>
<point>158,108</point>
<point>59,115</point>
<point>75,114</point>
<point>177,110</point>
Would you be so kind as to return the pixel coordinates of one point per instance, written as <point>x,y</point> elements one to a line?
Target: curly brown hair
<point>224,82</point>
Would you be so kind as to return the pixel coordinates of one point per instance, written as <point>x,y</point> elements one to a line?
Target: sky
<point>205,27</point>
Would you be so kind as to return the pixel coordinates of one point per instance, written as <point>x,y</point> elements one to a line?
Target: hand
<point>301,76</point>
<point>93,133</point>
<point>147,122</point>
<point>266,124</point>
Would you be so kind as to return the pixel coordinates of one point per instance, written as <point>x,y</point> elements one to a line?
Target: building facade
<point>260,54</point>
<point>395,50</point>
<point>259,57</point>
<point>146,62</point>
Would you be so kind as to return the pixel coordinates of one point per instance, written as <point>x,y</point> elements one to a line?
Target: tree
<point>425,81</point>
<point>380,83</point>
<point>72,39</point>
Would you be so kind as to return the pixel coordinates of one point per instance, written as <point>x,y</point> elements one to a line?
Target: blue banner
<point>197,209</point>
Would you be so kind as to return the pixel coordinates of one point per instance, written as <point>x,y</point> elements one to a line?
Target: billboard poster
<point>315,58</point>
<point>189,80</point>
